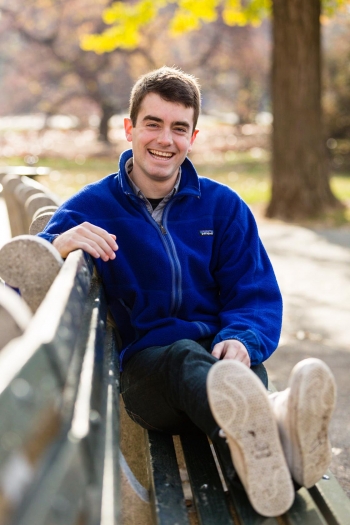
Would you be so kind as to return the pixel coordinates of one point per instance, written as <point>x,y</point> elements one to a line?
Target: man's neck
<point>154,189</point>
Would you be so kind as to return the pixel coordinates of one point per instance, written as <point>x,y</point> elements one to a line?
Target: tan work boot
<point>240,405</point>
<point>303,412</point>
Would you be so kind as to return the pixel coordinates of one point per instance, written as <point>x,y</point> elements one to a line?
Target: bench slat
<point>167,494</point>
<point>245,513</point>
<point>27,405</point>
<point>111,484</point>
<point>97,400</point>
<point>331,500</point>
<point>76,475</point>
<point>207,489</point>
<point>57,497</point>
<point>59,488</point>
<point>304,509</point>
<point>102,443</point>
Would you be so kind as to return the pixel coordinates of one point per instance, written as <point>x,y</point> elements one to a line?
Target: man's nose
<point>165,137</point>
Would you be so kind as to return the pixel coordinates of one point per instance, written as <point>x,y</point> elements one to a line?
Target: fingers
<point>92,239</point>
<point>99,240</point>
<point>217,350</point>
<point>232,349</point>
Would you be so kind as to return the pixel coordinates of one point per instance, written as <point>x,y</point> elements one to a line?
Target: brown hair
<point>172,85</point>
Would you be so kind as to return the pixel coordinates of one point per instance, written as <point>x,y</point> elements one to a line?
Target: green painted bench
<point>59,399</point>
<point>59,444</point>
<point>216,503</point>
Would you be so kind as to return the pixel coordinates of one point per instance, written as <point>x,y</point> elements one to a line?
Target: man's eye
<point>152,125</point>
<point>181,130</point>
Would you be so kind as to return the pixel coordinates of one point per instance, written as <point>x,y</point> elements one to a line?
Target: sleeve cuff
<point>50,237</point>
<point>248,338</point>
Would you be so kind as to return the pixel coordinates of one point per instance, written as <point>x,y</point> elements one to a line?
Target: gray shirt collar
<point>129,165</point>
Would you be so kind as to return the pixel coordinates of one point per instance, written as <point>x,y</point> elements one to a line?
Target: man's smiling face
<point>161,139</point>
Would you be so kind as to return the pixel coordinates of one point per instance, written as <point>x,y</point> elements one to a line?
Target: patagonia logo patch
<point>206,233</point>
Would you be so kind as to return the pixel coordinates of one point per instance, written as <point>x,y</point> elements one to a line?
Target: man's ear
<point>128,129</point>
<point>194,135</point>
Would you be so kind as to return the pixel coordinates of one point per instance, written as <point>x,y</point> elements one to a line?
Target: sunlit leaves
<point>329,7</point>
<point>127,19</point>
<point>234,13</point>
<point>190,15</point>
<point>140,13</point>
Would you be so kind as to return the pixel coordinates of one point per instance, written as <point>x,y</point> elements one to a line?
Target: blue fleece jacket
<point>205,273</point>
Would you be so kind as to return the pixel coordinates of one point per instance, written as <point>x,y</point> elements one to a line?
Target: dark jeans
<point>164,387</point>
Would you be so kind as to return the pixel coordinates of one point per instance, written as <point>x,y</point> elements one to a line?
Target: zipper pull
<point>162,229</point>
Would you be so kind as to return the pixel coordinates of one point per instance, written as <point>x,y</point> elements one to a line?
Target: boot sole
<point>240,406</point>
<point>310,405</point>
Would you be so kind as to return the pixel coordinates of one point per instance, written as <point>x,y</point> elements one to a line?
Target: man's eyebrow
<point>151,117</point>
<point>176,123</point>
<point>182,123</point>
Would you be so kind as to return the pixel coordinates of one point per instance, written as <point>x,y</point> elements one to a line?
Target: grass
<point>247,175</point>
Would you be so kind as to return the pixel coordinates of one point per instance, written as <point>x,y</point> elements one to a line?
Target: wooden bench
<point>59,406</point>
<point>218,504</point>
<point>59,391</point>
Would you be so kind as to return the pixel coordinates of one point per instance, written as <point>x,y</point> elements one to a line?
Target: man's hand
<point>232,349</point>
<point>92,239</point>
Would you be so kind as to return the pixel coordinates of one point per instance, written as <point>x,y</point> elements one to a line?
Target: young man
<point>196,302</point>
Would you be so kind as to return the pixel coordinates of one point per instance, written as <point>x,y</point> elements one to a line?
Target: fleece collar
<point>189,184</point>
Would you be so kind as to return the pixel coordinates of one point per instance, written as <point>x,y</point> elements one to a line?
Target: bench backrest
<point>59,409</point>
<point>15,315</point>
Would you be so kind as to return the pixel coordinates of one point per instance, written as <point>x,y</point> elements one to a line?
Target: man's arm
<point>251,304</point>
<point>92,239</point>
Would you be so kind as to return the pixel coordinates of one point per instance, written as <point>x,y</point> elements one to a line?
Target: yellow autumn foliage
<point>206,10</point>
<point>127,19</point>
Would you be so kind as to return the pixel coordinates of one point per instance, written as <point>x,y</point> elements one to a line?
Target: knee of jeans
<point>184,343</point>
<point>185,349</point>
<point>187,345</point>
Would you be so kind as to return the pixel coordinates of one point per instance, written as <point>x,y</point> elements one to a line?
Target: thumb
<point>217,350</point>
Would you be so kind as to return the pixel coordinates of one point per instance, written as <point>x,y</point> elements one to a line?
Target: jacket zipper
<point>176,271</point>
<point>177,279</point>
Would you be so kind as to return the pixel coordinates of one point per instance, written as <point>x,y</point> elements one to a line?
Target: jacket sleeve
<point>67,216</point>
<point>251,303</point>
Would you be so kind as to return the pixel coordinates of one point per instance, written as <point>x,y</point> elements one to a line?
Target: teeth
<point>161,153</point>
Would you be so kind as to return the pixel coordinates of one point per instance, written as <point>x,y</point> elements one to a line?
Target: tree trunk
<point>107,112</point>
<point>300,182</point>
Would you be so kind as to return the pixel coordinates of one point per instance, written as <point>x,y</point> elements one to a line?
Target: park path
<point>313,270</point>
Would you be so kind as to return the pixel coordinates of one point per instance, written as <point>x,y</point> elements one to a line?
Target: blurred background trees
<point>44,69</point>
<point>336,97</point>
